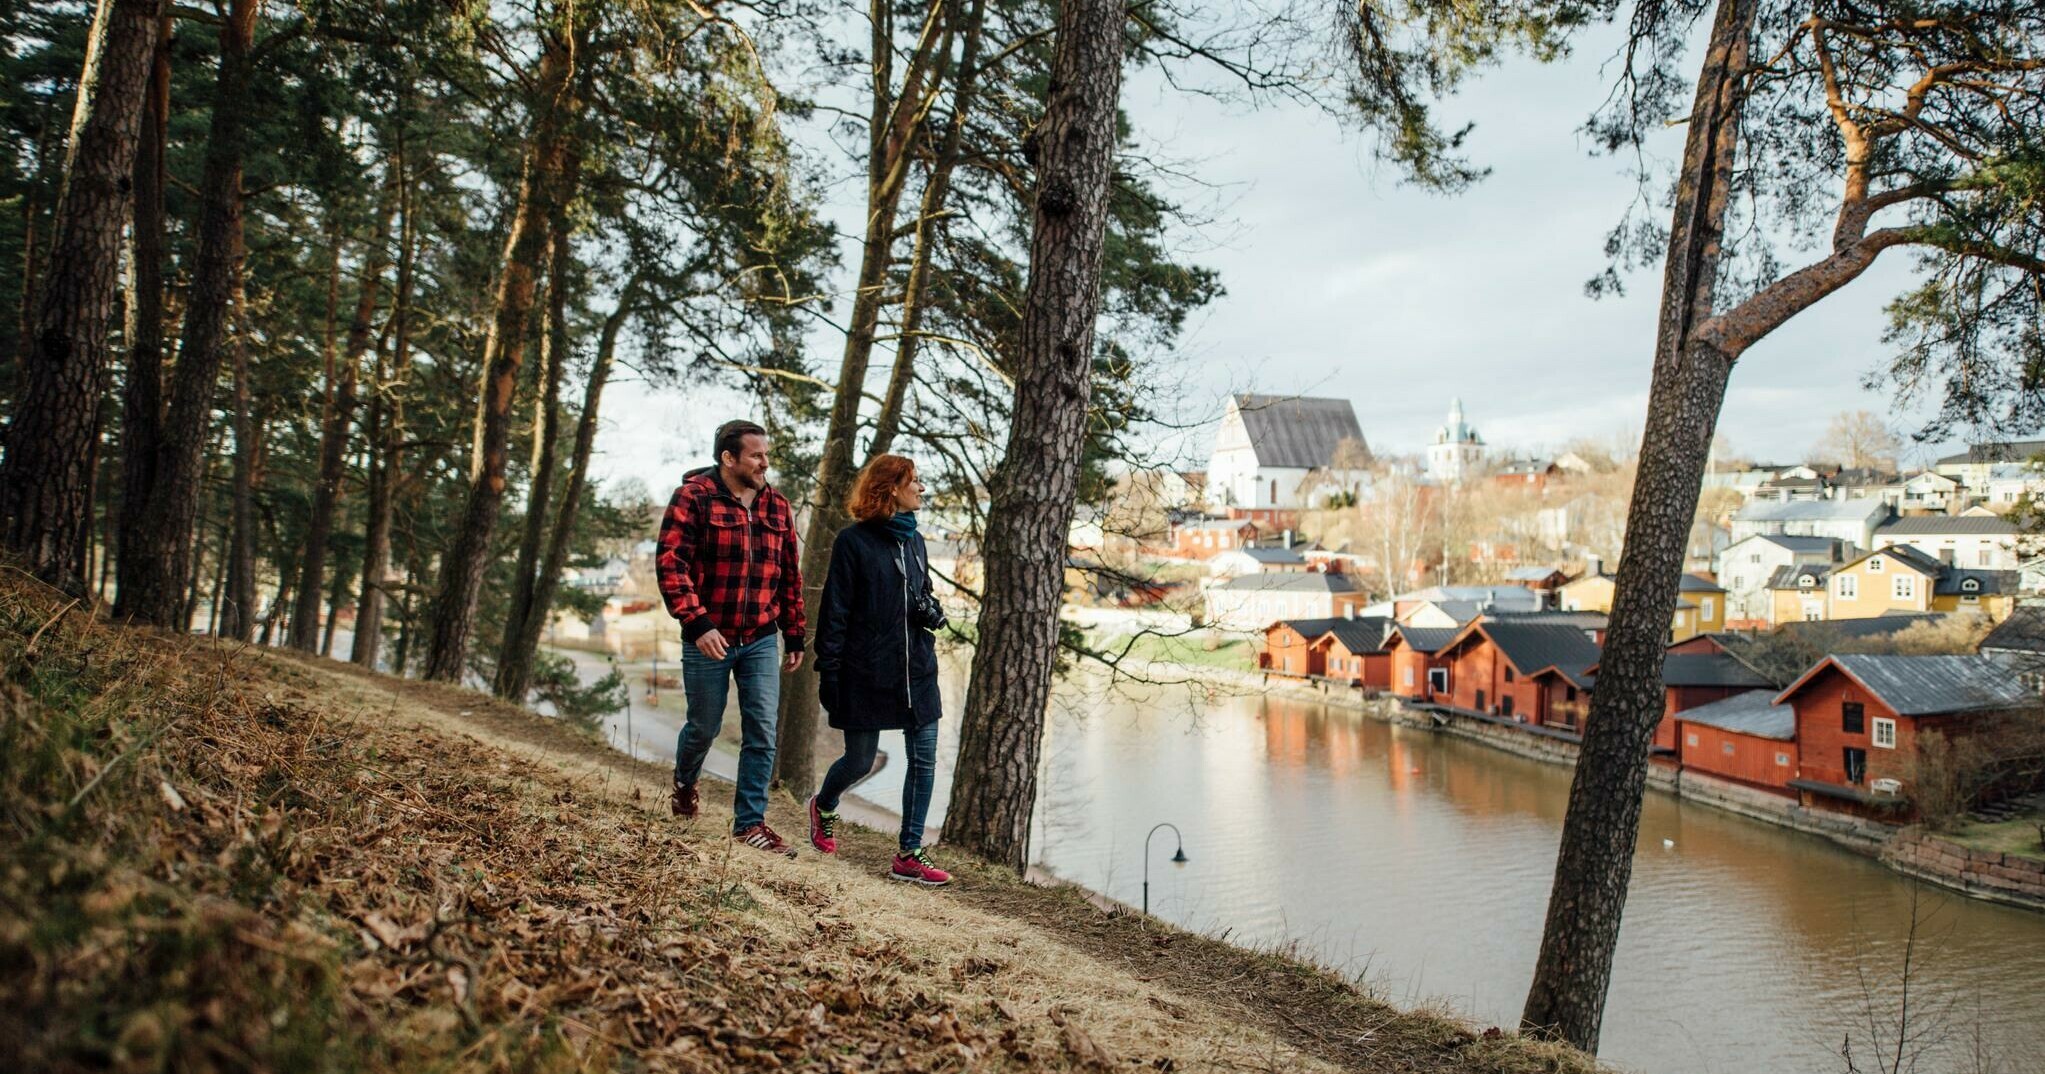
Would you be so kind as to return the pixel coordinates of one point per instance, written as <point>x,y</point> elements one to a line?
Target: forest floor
<point>224,858</point>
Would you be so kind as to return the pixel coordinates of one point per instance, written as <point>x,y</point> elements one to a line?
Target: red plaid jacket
<point>724,568</point>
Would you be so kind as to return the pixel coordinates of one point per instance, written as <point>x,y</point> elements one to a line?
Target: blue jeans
<point>860,747</point>
<point>706,683</point>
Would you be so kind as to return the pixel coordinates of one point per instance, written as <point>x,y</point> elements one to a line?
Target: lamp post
<point>1178,858</point>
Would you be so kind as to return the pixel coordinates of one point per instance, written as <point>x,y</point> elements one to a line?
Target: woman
<point>878,658</point>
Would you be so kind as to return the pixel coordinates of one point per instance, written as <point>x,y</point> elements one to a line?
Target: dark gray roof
<point>1310,628</point>
<point>1954,582</point>
<point>1691,583</point>
<point>2023,631</point>
<point>1871,627</point>
<point>1531,646</point>
<point>1863,477</point>
<point>1929,685</point>
<point>1947,525</point>
<point>1364,634</point>
<point>1751,713</point>
<point>1579,620</point>
<point>1273,555</point>
<point>1708,669</point>
<point>1912,556</point>
<point>1425,639</point>
<point>1787,577</point>
<point>1296,432</point>
<point>2007,451</point>
<point>1291,582</point>
<point>1802,544</point>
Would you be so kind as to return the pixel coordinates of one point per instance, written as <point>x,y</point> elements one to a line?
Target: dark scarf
<point>902,525</point>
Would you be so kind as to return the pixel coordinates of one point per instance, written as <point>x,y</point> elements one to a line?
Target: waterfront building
<point>1353,651</point>
<point>1746,738</point>
<point>1251,602</point>
<point>1494,666</point>
<point>1418,671</point>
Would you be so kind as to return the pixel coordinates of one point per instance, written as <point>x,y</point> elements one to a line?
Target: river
<point>1420,863</point>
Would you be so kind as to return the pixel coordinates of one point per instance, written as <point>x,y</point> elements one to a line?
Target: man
<point>729,571</point>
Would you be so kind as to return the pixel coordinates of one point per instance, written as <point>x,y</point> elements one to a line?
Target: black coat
<point>879,667</point>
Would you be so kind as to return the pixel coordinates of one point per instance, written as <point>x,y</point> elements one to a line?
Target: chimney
<point>1593,566</point>
<point>1349,611</point>
<point>1288,538</point>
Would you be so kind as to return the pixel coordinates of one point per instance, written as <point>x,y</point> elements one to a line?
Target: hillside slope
<point>221,858</point>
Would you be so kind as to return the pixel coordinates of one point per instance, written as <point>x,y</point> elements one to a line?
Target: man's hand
<point>712,645</point>
<point>791,661</point>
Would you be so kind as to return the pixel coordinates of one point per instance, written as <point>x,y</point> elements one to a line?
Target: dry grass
<point>223,859</point>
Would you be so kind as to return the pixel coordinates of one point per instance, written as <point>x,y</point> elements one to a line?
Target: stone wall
<point>1984,874</point>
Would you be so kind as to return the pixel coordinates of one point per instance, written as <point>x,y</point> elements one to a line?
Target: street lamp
<point>1178,858</point>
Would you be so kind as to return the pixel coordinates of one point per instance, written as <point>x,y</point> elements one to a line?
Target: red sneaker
<point>917,866</point>
<point>761,837</point>
<point>684,801</point>
<point>823,828</point>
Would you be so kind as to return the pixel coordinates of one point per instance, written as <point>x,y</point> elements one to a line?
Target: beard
<point>756,480</point>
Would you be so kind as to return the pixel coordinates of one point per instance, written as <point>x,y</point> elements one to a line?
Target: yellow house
<point>1900,579</point>
<point>1700,603</point>
<point>1796,593</point>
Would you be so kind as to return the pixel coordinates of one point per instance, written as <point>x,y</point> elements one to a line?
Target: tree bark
<point>238,619</point>
<point>994,787</point>
<point>142,397</point>
<point>514,661</point>
<point>386,437</point>
<point>156,572</point>
<point>46,473</point>
<point>334,433</point>
<point>548,577</point>
<point>894,126</point>
<point>464,562</point>
<point>1595,862</point>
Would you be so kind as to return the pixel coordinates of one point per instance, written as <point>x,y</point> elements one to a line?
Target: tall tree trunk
<point>1595,861</point>
<point>386,436</point>
<point>238,619</point>
<point>548,577</point>
<point>894,127</point>
<point>142,396</point>
<point>46,473</point>
<point>339,419</point>
<point>994,787</point>
<point>463,564</point>
<point>514,664</point>
<point>155,573</point>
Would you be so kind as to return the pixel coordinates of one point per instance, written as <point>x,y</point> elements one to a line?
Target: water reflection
<point>1423,863</point>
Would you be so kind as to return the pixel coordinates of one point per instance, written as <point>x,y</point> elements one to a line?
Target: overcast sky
<point>1343,282</point>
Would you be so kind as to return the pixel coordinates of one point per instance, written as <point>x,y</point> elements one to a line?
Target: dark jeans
<point>706,682</point>
<point>860,746</point>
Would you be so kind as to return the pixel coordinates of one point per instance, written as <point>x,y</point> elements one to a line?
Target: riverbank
<point>300,865</point>
<point>2000,875</point>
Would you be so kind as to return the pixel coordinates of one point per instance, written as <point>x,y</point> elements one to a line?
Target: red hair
<point>873,493</point>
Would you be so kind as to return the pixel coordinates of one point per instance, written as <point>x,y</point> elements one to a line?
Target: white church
<point>1457,451</point>
<point>1268,445</point>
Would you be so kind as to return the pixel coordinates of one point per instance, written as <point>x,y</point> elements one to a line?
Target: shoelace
<point>922,857</point>
<point>827,823</point>
<point>763,838</point>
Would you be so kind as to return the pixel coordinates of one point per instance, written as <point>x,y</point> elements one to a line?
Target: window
<point>1480,701</point>
<point>1984,558</point>
<point>1726,748</point>
<point>1706,608</point>
<point>1690,739</point>
<point>1505,705</point>
<point>1970,585</point>
<point>1782,760</point>
<point>1852,718</point>
<point>1849,587</point>
<point>1569,693</point>
<point>1804,581</point>
<point>1438,680</point>
<point>1754,557</point>
<point>1874,566</point>
<point>1409,675</point>
<point>1508,673</point>
<point>1905,587</point>
<point>1885,733</point>
<point>1856,765</point>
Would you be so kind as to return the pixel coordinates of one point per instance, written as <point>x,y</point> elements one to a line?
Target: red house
<point>1353,650</point>
<point>1201,538</point>
<point>1691,679</point>
<point>1745,738</point>
<point>1289,648</point>
<point>1862,718</point>
<point>1494,663</point>
<point>1418,672</point>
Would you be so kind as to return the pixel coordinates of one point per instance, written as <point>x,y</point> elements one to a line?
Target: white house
<point>1457,450</point>
<point>2008,482</point>
<point>1852,521</point>
<point>1267,444</point>
<point>1255,561</point>
<point>1975,541</point>
<point>1930,491</point>
<point>1745,567</point>
<point>1249,603</point>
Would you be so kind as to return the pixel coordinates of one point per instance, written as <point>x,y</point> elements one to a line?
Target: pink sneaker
<point>917,866</point>
<point>823,828</point>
